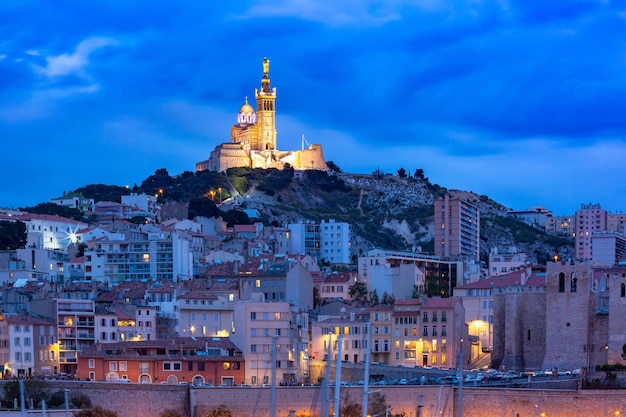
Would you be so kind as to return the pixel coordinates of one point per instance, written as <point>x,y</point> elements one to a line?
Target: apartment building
<point>608,247</point>
<point>203,313</point>
<point>381,318</point>
<point>329,241</point>
<point>272,336</point>
<point>589,218</point>
<point>191,360</point>
<point>457,228</point>
<point>75,323</point>
<point>76,201</point>
<point>28,346</point>
<point>399,273</point>
<point>504,260</point>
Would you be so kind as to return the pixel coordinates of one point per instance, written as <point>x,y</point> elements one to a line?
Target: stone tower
<point>266,110</point>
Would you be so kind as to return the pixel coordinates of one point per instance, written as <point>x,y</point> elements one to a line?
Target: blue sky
<point>524,101</point>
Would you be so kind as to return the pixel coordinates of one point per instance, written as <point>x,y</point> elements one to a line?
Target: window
<point>92,363</point>
<point>253,348</point>
<point>425,331</point>
<point>623,290</point>
<point>123,366</point>
<point>112,366</point>
<point>253,316</point>
<point>200,366</point>
<point>443,316</point>
<point>573,283</point>
<point>144,367</point>
<point>425,317</point>
<point>561,282</point>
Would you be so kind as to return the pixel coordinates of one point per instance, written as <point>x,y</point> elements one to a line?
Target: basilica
<point>253,139</point>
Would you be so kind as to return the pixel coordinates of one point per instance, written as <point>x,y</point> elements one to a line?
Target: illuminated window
<point>146,257</point>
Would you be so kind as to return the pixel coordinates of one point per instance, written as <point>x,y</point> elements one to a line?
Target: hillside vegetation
<point>386,211</point>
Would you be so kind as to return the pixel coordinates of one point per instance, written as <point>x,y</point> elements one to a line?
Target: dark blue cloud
<point>114,90</point>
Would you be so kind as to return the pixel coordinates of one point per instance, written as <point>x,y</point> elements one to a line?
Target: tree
<point>374,299</point>
<point>388,299</point>
<point>97,411</point>
<point>402,173</point>
<point>12,235</point>
<point>333,166</point>
<point>377,405</point>
<point>33,389</point>
<point>317,299</point>
<point>419,173</point>
<point>358,292</point>
<point>221,411</point>
<point>352,410</point>
<point>418,290</point>
<point>202,207</point>
<point>233,217</point>
<point>157,182</point>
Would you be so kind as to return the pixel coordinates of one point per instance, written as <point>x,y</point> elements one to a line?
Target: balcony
<point>68,360</point>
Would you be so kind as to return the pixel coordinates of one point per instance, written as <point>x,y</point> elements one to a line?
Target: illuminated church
<point>253,138</point>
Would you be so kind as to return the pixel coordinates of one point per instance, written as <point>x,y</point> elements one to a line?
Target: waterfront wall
<point>149,400</point>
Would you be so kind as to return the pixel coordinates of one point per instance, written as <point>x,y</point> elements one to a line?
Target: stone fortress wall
<point>149,400</point>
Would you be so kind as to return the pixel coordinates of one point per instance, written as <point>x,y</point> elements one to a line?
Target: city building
<point>76,201</point>
<point>335,285</point>
<point>142,204</point>
<point>75,320</point>
<point>537,217</point>
<point>351,327</point>
<point>589,218</point>
<point>381,318</point>
<point>253,139</point>
<point>28,346</point>
<point>274,337</point>
<point>404,274</point>
<point>429,332</point>
<point>608,247</point>
<point>504,260</point>
<point>335,242</point>
<point>561,225</point>
<point>457,228</point>
<point>191,360</point>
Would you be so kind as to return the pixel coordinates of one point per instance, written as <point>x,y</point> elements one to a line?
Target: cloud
<point>75,63</point>
<point>340,13</point>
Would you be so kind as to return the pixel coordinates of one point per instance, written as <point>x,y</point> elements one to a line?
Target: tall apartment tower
<point>457,228</point>
<point>589,218</point>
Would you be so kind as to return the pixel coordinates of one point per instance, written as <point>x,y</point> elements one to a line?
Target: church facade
<point>253,139</point>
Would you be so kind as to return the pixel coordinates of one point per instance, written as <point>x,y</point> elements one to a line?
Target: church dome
<point>246,109</point>
<point>246,114</point>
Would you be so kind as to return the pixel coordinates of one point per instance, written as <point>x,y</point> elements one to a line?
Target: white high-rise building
<point>329,241</point>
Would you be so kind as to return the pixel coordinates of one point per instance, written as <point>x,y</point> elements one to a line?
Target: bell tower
<point>266,111</point>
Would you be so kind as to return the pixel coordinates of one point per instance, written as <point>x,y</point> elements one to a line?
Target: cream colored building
<point>260,327</point>
<point>253,139</point>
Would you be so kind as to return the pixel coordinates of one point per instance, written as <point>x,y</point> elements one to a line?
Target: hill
<point>385,211</point>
